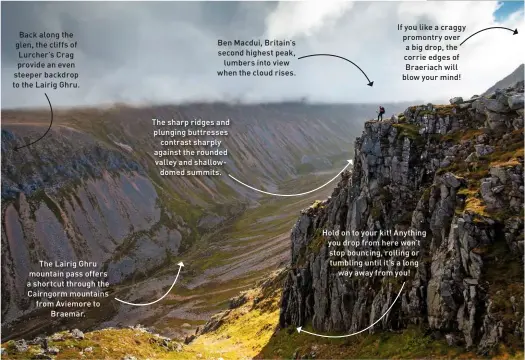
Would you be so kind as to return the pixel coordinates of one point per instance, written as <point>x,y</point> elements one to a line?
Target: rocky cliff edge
<point>453,176</point>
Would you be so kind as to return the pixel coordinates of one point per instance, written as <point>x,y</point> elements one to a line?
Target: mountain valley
<point>256,281</point>
<point>90,191</point>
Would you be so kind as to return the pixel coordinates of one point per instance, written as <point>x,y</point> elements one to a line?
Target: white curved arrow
<point>300,329</point>
<point>162,297</point>
<point>350,162</point>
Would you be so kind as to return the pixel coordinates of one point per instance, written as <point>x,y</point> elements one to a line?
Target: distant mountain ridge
<point>516,75</point>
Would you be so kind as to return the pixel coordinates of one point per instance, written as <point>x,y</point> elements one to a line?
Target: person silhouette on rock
<point>380,113</point>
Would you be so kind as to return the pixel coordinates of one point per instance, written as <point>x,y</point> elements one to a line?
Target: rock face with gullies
<point>411,174</point>
<point>71,197</point>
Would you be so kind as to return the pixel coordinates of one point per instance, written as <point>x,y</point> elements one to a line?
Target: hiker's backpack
<point>381,110</point>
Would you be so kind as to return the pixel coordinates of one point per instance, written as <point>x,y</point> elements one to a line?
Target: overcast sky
<point>166,52</point>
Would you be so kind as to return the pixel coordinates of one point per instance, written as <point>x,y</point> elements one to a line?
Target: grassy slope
<point>104,344</point>
<point>251,331</point>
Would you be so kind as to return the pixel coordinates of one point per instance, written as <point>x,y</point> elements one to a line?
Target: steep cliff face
<point>453,176</point>
<point>70,198</point>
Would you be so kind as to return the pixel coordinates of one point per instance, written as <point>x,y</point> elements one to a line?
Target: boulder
<point>497,105</point>
<point>482,139</point>
<point>495,120</point>
<point>471,158</point>
<point>77,334</point>
<point>456,100</point>
<point>20,346</point>
<point>237,301</point>
<point>500,173</point>
<point>53,350</point>
<point>515,102</point>
<point>479,105</point>
<point>451,180</point>
<point>188,339</point>
<point>482,150</point>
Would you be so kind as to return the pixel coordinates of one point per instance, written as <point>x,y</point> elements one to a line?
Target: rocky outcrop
<point>65,341</point>
<point>412,174</point>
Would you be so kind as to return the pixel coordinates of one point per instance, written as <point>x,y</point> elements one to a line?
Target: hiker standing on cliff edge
<point>380,113</point>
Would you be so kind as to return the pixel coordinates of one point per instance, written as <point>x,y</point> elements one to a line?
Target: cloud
<point>167,51</point>
<point>291,19</point>
<point>486,57</point>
